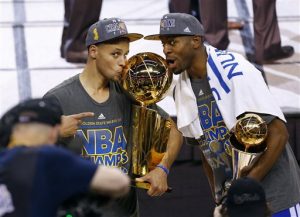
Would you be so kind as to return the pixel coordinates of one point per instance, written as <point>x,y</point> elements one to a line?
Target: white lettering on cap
<point>167,23</point>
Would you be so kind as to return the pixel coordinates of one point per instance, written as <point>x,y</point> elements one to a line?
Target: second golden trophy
<point>248,142</point>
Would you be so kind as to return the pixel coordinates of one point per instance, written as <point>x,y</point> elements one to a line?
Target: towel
<point>237,86</point>
<point>186,108</point>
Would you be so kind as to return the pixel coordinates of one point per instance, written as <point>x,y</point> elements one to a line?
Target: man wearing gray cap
<point>97,112</point>
<point>35,175</point>
<point>214,89</point>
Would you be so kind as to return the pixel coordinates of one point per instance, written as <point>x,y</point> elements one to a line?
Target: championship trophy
<point>248,142</point>
<point>146,79</point>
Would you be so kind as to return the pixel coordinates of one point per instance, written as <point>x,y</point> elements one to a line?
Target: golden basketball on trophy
<point>146,79</point>
<point>248,142</point>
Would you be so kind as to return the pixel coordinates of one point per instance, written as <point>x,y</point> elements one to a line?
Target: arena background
<point>30,64</point>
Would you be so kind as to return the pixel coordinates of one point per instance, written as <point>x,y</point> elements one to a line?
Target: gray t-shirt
<point>102,138</point>
<point>281,184</point>
<point>215,143</point>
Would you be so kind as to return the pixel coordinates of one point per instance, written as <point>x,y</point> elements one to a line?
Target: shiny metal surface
<point>241,159</point>
<point>250,130</point>
<point>150,137</point>
<point>146,79</point>
<point>250,133</point>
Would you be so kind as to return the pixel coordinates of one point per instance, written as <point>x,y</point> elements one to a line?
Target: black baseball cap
<point>178,24</point>
<point>109,29</point>
<point>246,197</point>
<point>46,111</point>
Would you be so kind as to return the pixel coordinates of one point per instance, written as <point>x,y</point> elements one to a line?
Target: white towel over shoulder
<point>237,86</point>
<point>186,108</point>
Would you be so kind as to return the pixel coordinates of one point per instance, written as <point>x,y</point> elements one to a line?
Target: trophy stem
<point>150,133</point>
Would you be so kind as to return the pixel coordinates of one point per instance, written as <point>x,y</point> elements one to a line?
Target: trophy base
<point>142,185</point>
<point>145,185</point>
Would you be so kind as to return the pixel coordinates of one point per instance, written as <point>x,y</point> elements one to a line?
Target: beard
<point>176,71</point>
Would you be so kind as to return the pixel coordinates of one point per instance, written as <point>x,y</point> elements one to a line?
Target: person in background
<point>267,40</point>
<point>213,15</point>
<point>214,89</point>
<point>78,17</point>
<point>216,23</point>
<point>35,175</point>
<point>246,198</point>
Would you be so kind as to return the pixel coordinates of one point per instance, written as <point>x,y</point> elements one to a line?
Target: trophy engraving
<point>146,79</point>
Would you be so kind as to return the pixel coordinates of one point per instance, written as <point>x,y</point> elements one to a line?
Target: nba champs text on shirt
<point>215,143</point>
<point>104,142</point>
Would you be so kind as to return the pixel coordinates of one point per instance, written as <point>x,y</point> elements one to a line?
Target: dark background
<point>191,194</point>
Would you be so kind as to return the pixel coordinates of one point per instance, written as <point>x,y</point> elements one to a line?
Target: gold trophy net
<point>146,79</point>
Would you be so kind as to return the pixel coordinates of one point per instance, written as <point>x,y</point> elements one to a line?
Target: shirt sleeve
<point>267,118</point>
<point>160,111</point>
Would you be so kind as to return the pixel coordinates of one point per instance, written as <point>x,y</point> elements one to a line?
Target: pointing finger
<point>83,115</point>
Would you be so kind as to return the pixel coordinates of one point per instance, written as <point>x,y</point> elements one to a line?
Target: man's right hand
<point>110,181</point>
<point>70,123</point>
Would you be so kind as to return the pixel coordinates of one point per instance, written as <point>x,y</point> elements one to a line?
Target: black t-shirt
<point>35,181</point>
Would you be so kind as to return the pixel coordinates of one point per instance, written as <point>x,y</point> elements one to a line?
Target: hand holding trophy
<point>248,144</point>
<point>146,79</point>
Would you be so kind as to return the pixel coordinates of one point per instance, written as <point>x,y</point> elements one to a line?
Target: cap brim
<point>152,37</point>
<point>158,36</point>
<point>133,36</point>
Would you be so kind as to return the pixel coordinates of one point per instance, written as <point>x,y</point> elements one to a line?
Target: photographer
<point>35,175</point>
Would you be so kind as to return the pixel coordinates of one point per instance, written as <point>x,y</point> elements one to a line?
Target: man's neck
<point>198,68</point>
<point>95,85</point>
<point>91,78</point>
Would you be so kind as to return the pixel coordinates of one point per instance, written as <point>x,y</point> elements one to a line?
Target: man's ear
<point>197,41</point>
<point>93,51</point>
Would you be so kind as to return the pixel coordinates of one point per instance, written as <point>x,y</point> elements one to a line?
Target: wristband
<point>165,169</point>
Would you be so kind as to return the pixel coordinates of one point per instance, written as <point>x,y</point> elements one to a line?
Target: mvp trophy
<point>248,142</point>
<point>146,79</point>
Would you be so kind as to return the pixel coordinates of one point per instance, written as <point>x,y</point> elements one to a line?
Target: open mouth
<point>171,63</point>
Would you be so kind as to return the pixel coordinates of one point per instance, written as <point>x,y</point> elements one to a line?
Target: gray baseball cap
<point>177,24</point>
<point>108,29</point>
